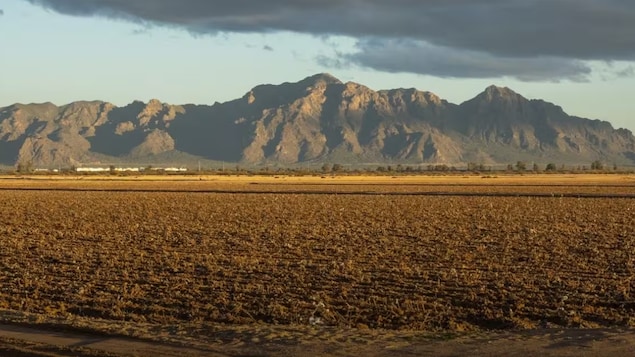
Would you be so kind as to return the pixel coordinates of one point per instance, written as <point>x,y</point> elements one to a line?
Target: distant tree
<point>326,167</point>
<point>472,166</point>
<point>442,167</point>
<point>380,169</point>
<point>337,168</point>
<point>510,167</point>
<point>535,168</point>
<point>521,166</point>
<point>24,167</point>
<point>615,168</point>
<point>550,167</point>
<point>597,165</point>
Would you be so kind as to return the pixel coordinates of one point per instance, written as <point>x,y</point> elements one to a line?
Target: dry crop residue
<point>393,262</point>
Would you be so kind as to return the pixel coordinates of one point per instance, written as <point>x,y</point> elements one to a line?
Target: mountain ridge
<point>317,119</point>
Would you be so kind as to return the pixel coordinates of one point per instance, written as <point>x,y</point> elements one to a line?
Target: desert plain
<point>320,265</point>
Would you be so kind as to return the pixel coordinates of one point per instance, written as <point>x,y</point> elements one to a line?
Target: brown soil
<point>348,270</point>
<point>257,341</point>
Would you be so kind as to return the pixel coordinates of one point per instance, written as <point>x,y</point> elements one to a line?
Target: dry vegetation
<point>388,261</point>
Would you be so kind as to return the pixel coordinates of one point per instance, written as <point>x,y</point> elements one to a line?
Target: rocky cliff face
<point>313,120</point>
<point>509,124</point>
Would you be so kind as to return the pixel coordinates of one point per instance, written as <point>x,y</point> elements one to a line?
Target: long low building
<point>128,169</point>
<point>92,169</point>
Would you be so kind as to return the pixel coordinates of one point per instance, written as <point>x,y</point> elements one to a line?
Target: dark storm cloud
<point>522,29</point>
<point>423,58</point>
<point>1,12</point>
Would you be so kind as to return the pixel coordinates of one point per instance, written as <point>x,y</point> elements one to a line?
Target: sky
<point>579,54</point>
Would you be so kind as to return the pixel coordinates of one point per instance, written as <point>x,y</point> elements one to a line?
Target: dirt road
<point>21,341</point>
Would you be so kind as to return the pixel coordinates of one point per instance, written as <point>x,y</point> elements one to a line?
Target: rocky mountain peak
<point>153,106</point>
<point>496,93</point>
<point>424,97</point>
<point>321,79</point>
<point>150,110</point>
<point>269,95</point>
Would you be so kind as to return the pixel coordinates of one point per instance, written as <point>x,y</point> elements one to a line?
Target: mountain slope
<point>316,119</point>
<point>510,125</point>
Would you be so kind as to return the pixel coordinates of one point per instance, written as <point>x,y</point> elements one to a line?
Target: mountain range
<point>316,120</point>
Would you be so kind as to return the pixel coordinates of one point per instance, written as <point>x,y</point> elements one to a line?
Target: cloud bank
<point>526,39</point>
<point>420,57</point>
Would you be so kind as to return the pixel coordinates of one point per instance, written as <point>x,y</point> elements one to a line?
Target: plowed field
<point>358,255</point>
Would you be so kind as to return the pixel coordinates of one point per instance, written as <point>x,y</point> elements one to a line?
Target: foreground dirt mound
<point>268,341</point>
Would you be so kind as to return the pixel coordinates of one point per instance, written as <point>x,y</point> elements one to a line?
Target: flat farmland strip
<point>582,191</point>
<point>391,261</point>
<point>553,184</point>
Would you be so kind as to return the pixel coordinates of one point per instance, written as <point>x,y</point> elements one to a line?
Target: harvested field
<point>270,252</point>
<point>473,185</point>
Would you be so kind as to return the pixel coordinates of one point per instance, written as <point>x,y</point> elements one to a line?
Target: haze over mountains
<point>318,119</point>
